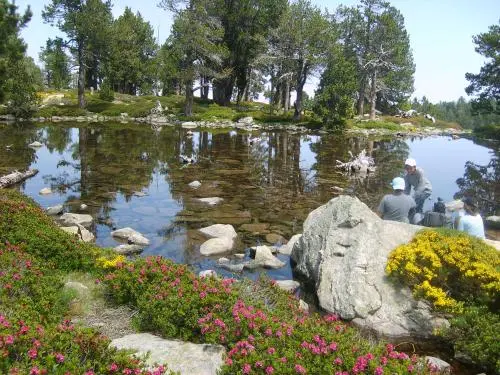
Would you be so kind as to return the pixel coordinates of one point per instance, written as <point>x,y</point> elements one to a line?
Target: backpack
<point>436,219</point>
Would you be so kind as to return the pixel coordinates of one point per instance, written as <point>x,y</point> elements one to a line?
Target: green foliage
<point>130,66</point>
<point>376,125</point>
<point>23,222</point>
<point>12,47</point>
<point>488,132</point>
<point>56,64</point>
<point>25,80</point>
<point>106,92</point>
<point>475,333</point>
<point>486,83</point>
<point>67,110</point>
<point>334,98</point>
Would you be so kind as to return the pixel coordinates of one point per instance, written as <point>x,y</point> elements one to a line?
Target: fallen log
<point>361,163</point>
<point>16,177</point>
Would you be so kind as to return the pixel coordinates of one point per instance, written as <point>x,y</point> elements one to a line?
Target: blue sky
<point>440,34</point>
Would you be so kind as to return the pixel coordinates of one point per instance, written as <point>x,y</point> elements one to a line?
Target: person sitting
<point>422,187</point>
<point>471,222</point>
<point>397,206</point>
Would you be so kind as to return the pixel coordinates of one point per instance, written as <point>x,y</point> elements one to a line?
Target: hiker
<point>415,178</point>
<point>471,222</point>
<point>397,206</point>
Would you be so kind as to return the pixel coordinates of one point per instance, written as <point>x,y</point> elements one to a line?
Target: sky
<point>440,36</point>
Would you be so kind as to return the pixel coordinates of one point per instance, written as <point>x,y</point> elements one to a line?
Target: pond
<point>133,176</point>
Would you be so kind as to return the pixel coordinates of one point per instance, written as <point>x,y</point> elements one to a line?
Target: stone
<point>70,219</point>
<point>194,184</point>
<point>492,222</point>
<point>264,258</point>
<point>255,228</point>
<point>85,235</point>
<point>83,207</point>
<point>343,252</point>
<point>275,238</point>
<point>130,235</point>
<point>239,256</point>
<point>70,230</point>
<point>207,273</point>
<point>182,357</point>
<point>223,261</point>
<point>288,285</point>
<point>231,267</point>
<point>212,201</point>
<point>216,246</point>
<point>54,210</point>
<point>303,306</point>
<point>219,231</point>
<point>139,194</point>
<point>128,249</point>
<point>35,144</point>
<point>438,365</point>
<point>45,191</point>
<point>287,249</point>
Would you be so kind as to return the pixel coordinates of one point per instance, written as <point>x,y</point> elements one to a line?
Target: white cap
<point>411,162</point>
<point>398,183</point>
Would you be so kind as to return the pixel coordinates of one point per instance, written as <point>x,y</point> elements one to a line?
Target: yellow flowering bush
<point>108,263</point>
<point>448,268</point>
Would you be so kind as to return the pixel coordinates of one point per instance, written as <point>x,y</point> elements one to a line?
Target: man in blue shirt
<point>471,222</point>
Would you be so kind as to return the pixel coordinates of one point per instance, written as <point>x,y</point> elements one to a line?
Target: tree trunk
<point>361,99</point>
<point>223,91</point>
<point>188,105</point>
<point>16,177</point>
<point>81,78</point>
<point>373,95</point>
<point>301,81</point>
<point>204,87</point>
<point>286,96</point>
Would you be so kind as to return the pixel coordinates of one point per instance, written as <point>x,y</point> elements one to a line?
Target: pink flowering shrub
<point>272,338</point>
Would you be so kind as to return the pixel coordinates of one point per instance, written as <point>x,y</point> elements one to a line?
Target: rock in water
<point>343,251</point>
<point>55,210</point>
<point>130,235</point>
<point>219,231</point>
<point>69,219</point>
<point>216,246</point>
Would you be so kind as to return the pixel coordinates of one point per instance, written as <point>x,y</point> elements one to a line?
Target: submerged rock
<point>194,184</point>
<point>219,230</point>
<point>212,201</point>
<point>183,357</point>
<point>216,246</point>
<point>343,251</point>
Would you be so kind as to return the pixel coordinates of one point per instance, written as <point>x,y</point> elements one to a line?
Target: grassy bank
<point>207,110</point>
<point>262,327</point>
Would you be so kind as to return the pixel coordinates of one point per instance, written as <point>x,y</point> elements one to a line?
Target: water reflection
<point>269,178</point>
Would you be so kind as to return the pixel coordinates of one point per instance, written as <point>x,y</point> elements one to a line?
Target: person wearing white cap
<point>421,185</point>
<point>397,206</point>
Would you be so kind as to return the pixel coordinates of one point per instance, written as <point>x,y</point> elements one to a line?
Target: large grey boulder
<point>55,210</point>
<point>131,236</point>
<point>69,219</point>
<point>183,357</point>
<point>343,251</point>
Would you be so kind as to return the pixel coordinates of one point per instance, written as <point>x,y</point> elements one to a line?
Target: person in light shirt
<point>415,178</point>
<point>471,222</point>
<point>397,206</point>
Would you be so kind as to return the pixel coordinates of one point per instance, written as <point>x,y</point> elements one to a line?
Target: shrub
<point>475,333</point>
<point>448,268</point>
<point>376,125</point>
<point>106,92</point>
<point>70,110</point>
<point>488,132</point>
<point>271,336</point>
<point>22,221</point>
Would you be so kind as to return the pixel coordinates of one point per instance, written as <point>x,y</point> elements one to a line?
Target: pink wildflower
<point>379,371</point>
<point>113,367</point>
<point>35,371</point>
<point>59,358</point>
<point>32,353</point>
<point>247,368</point>
<point>271,351</point>
<point>299,369</point>
<point>9,340</point>
<point>269,370</point>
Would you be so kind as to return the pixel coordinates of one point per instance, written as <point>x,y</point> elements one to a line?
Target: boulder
<point>216,246</point>
<point>182,357</point>
<point>131,236</point>
<point>492,222</point>
<point>437,365</point>
<point>83,207</point>
<point>129,249</point>
<point>85,235</point>
<point>70,230</point>
<point>55,210</point>
<point>69,219</point>
<point>194,184</point>
<point>343,252</point>
<point>287,249</point>
<point>264,258</point>
<point>212,201</point>
<point>219,231</point>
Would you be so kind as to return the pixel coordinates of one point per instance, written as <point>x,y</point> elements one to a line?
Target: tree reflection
<point>14,151</point>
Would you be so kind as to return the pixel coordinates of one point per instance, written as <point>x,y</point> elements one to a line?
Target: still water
<point>273,179</point>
